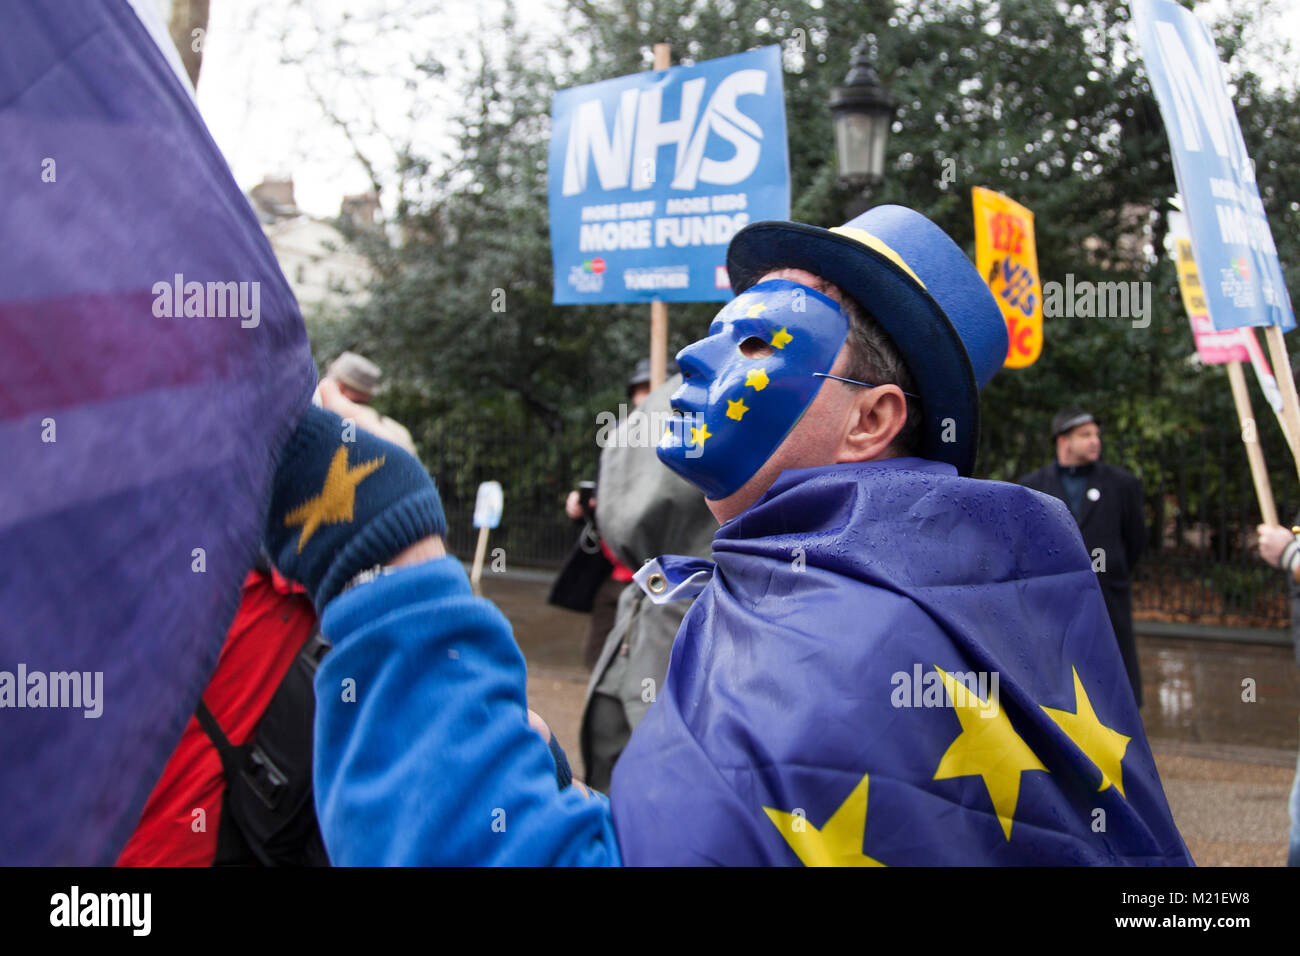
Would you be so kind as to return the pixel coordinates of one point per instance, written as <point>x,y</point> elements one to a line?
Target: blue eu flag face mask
<point>747,384</point>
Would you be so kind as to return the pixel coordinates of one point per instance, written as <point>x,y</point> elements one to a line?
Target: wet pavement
<point>1223,720</point>
<point>550,637</point>
<point>1217,693</point>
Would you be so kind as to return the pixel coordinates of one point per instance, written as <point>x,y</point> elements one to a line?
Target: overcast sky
<point>264,113</point>
<point>265,118</point>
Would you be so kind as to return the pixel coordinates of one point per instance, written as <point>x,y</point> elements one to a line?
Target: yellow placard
<point>1189,281</point>
<point>1006,257</point>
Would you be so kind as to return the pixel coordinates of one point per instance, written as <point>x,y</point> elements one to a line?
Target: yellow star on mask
<point>736,410</point>
<point>782,339</point>
<point>757,378</point>
<point>1102,745</point>
<point>988,747</point>
<point>754,310</point>
<point>700,435</point>
<point>334,503</point>
<point>838,842</point>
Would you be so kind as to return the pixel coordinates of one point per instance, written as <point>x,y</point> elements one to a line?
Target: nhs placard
<point>652,174</point>
<point>1235,255</point>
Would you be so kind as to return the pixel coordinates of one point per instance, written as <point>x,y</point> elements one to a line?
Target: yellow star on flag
<point>782,339</point>
<point>700,435</point>
<point>988,747</point>
<point>1102,745</point>
<point>334,503</point>
<point>757,378</point>
<point>736,410</point>
<point>753,311</point>
<point>838,842</point>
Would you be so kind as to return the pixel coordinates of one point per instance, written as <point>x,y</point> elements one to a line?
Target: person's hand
<point>332,398</point>
<point>426,549</point>
<point>343,501</point>
<point>1278,547</point>
<point>329,393</point>
<point>536,722</point>
<point>573,505</point>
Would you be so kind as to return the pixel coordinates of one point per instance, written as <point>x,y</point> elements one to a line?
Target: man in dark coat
<point>1106,501</point>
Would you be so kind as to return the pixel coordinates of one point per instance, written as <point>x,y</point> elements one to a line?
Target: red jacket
<point>180,821</point>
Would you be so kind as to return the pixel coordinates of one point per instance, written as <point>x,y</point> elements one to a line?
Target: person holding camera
<point>593,577</point>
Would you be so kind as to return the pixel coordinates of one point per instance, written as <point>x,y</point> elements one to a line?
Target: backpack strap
<point>313,652</point>
<point>232,757</point>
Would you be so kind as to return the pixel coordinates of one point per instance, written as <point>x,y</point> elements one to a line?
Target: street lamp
<point>862,110</point>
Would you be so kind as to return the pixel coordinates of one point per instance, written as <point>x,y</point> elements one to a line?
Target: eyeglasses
<point>853,381</point>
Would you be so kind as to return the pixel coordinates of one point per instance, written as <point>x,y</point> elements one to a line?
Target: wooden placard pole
<point>1281,363</point>
<point>476,575</point>
<point>1250,438</point>
<point>659,310</point>
<point>658,344</point>
<point>1249,330</point>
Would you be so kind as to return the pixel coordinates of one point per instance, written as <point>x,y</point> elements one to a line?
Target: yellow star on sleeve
<point>700,435</point>
<point>1102,745</point>
<point>736,410</point>
<point>987,747</point>
<point>334,503</point>
<point>756,378</point>
<point>838,842</point>
<point>753,311</point>
<point>782,338</point>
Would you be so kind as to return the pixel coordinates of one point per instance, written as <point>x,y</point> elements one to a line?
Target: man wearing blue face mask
<point>887,662</point>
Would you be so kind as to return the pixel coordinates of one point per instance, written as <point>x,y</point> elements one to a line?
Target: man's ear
<point>874,419</point>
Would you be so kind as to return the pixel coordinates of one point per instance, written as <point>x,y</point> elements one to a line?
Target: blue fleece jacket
<point>424,754</point>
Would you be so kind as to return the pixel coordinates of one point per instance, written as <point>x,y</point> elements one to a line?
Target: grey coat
<point>644,510</point>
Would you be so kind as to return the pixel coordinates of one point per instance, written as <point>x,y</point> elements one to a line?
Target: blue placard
<point>652,174</point>
<point>1234,248</point>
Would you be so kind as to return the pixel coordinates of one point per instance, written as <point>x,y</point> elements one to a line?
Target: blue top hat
<point>920,287</point>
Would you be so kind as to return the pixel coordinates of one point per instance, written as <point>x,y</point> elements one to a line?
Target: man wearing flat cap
<point>887,662</point>
<point>348,387</point>
<point>1106,501</point>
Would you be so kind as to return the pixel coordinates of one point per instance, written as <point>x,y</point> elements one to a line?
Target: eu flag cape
<point>140,416</point>
<point>894,665</point>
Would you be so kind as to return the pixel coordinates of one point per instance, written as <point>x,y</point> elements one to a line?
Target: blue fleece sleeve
<point>423,752</point>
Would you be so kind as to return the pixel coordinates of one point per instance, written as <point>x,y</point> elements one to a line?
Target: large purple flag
<point>152,362</point>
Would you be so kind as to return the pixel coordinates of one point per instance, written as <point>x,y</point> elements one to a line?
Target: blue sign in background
<point>652,174</point>
<point>1235,255</point>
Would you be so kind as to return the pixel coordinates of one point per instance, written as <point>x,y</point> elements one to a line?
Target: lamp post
<point>862,111</point>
